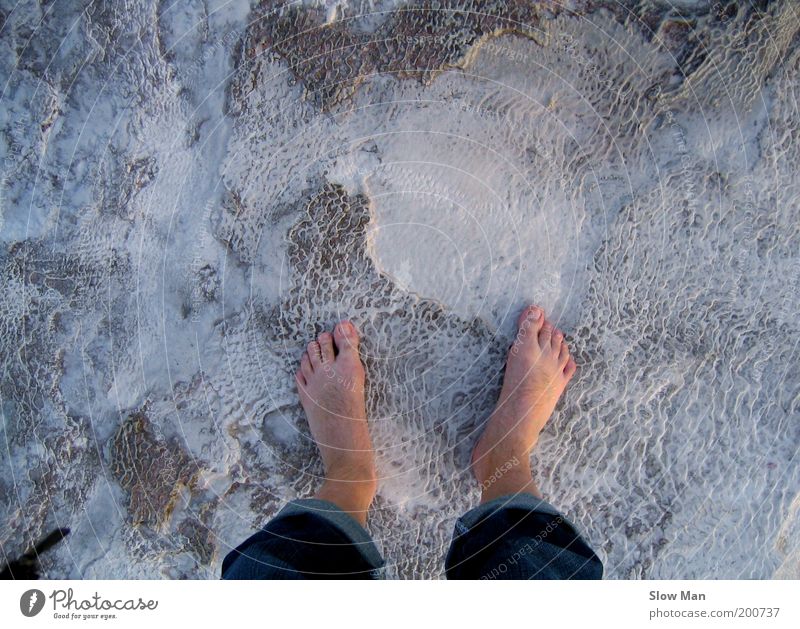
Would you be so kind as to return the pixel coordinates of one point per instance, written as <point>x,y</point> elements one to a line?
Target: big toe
<point>531,319</point>
<point>346,337</point>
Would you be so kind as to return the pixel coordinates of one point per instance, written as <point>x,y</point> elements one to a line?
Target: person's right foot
<point>537,371</point>
<point>330,383</point>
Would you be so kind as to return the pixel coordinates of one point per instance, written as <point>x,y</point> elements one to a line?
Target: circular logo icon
<point>31,602</point>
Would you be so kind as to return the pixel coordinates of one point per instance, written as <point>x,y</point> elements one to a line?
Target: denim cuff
<point>519,536</point>
<point>347,525</point>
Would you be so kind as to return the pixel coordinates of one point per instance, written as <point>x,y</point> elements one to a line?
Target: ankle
<point>508,483</point>
<point>502,471</point>
<point>357,478</point>
<point>354,497</point>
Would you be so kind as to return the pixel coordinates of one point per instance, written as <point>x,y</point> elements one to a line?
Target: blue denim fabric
<point>514,537</point>
<point>308,539</point>
<point>519,537</point>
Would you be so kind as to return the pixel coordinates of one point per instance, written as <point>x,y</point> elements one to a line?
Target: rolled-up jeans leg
<point>519,537</point>
<point>308,539</point>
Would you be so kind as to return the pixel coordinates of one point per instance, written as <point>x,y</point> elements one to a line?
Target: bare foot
<point>537,370</point>
<point>331,386</point>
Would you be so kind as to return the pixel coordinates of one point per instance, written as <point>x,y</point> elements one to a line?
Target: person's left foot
<point>538,369</point>
<point>330,382</point>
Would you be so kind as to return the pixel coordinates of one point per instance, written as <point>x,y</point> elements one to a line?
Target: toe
<point>570,369</point>
<point>556,341</point>
<point>563,354</point>
<point>326,347</point>
<point>299,378</point>
<point>306,367</point>
<point>346,337</point>
<point>531,320</point>
<point>314,353</point>
<point>545,335</point>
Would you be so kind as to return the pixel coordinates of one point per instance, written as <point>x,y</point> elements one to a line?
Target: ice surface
<point>191,191</point>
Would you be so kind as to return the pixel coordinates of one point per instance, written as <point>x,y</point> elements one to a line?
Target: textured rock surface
<point>152,471</point>
<point>419,40</point>
<point>190,192</point>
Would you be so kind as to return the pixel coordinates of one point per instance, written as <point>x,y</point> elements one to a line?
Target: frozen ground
<point>190,190</point>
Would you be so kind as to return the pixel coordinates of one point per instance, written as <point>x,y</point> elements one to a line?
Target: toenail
<point>534,314</point>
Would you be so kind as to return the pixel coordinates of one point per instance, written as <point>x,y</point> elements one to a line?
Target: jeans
<point>512,537</point>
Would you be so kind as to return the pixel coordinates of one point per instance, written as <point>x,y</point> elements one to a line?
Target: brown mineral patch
<point>333,58</point>
<point>152,470</point>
